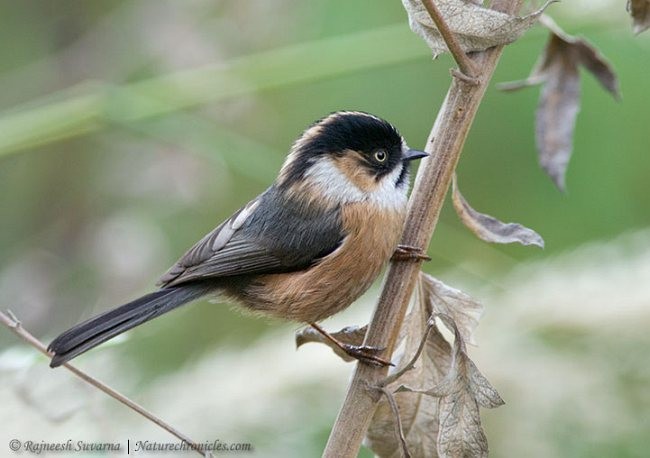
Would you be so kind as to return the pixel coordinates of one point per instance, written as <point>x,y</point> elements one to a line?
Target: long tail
<point>82,337</point>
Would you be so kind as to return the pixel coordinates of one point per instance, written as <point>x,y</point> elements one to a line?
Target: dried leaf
<point>640,11</point>
<point>460,393</point>
<point>484,393</point>
<point>398,422</point>
<point>352,335</point>
<point>418,412</point>
<point>560,98</point>
<point>490,229</point>
<point>443,420</point>
<point>441,298</point>
<point>476,28</point>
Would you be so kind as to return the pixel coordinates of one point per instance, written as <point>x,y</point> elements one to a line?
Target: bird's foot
<point>409,253</point>
<point>364,353</point>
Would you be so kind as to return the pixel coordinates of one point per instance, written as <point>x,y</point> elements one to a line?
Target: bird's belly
<point>338,279</point>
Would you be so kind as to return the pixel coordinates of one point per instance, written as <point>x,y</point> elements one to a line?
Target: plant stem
<point>465,64</point>
<point>445,144</point>
<point>10,321</point>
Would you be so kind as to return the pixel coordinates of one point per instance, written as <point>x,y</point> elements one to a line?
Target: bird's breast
<point>339,278</point>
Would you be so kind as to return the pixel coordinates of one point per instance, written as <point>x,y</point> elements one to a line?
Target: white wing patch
<point>228,229</point>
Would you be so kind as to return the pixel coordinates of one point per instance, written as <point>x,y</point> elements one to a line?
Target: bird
<point>303,250</point>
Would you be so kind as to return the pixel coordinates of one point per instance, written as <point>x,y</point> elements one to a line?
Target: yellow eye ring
<point>380,156</point>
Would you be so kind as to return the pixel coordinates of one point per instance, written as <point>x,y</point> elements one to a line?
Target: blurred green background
<point>128,129</point>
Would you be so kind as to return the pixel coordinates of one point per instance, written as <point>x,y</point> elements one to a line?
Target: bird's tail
<point>101,328</point>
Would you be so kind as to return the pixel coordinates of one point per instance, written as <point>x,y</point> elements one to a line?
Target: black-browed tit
<point>303,250</point>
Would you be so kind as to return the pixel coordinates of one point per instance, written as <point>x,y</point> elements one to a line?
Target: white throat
<point>335,186</point>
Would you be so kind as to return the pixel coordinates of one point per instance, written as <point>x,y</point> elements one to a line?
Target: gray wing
<point>269,235</point>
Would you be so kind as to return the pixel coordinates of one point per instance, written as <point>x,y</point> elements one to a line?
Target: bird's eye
<point>380,156</point>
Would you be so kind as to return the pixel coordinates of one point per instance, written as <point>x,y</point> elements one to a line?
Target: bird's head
<point>350,156</point>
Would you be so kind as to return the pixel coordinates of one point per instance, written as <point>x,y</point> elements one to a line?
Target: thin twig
<point>411,364</point>
<point>468,70</point>
<point>10,321</point>
<point>445,144</point>
<point>398,421</point>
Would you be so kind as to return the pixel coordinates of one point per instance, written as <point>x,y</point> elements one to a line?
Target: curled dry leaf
<point>439,399</point>
<point>490,229</point>
<point>476,28</point>
<point>460,393</point>
<point>418,412</point>
<point>640,11</point>
<point>352,335</point>
<point>441,298</point>
<point>559,101</point>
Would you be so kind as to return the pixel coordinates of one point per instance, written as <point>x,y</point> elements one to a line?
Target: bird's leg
<point>409,253</point>
<point>363,353</point>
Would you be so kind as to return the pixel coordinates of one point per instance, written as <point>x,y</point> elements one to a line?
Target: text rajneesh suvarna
<point>129,447</point>
<point>39,447</point>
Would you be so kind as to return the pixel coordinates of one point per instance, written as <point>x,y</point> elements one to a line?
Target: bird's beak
<point>412,154</point>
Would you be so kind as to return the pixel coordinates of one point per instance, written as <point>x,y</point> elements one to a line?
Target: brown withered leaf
<point>490,229</point>
<point>443,420</point>
<point>476,28</point>
<point>559,101</point>
<point>640,11</point>
<point>459,394</point>
<point>418,412</point>
<point>352,335</point>
<point>465,310</point>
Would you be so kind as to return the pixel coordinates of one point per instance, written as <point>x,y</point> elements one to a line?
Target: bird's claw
<point>366,354</point>
<point>409,253</point>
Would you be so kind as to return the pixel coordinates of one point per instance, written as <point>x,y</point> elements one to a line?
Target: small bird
<point>303,250</point>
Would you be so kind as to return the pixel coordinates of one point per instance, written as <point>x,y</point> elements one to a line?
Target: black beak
<point>413,154</point>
